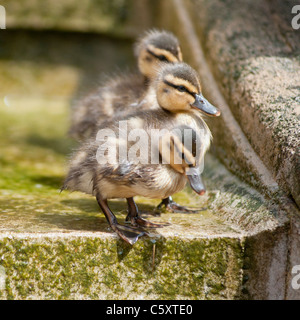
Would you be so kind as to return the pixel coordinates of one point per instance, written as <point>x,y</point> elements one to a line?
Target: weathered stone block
<point>254,54</point>
<point>116,17</point>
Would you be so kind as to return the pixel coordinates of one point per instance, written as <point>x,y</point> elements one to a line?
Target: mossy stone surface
<point>89,267</point>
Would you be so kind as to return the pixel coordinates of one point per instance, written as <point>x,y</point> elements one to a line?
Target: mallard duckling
<point>121,94</point>
<point>177,164</point>
<point>178,95</point>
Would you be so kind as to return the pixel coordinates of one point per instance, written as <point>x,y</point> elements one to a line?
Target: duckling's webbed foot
<point>135,218</point>
<point>128,234</point>
<point>172,206</point>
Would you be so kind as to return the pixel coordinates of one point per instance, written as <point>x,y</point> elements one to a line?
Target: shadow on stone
<point>54,182</point>
<point>76,222</point>
<point>99,55</point>
<point>59,145</point>
<point>117,206</point>
<point>86,205</point>
<point>151,253</point>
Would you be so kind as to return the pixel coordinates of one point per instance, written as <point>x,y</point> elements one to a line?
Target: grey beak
<point>203,105</point>
<point>195,180</point>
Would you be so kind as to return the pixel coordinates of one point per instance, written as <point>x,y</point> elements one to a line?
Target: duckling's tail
<point>77,180</point>
<point>64,186</point>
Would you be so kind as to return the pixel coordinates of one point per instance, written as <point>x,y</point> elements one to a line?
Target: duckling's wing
<point>117,97</point>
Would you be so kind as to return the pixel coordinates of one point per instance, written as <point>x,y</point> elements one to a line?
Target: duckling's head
<point>178,90</point>
<point>156,47</point>
<point>180,149</point>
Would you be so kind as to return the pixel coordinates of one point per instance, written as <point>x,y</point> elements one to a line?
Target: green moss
<point>52,268</point>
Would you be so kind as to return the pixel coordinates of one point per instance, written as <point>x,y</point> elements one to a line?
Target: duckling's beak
<point>202,104</point>
<point>195,180</point>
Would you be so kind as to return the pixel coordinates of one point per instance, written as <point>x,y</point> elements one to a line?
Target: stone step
<point>57,245</point>
<point>115,17</point>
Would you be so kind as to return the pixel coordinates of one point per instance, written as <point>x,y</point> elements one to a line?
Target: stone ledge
<point>96,267</point>
<point>254,54</point>
<point>115,17</point>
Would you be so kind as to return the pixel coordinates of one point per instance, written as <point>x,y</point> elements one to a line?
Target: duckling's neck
<point>148,100</point>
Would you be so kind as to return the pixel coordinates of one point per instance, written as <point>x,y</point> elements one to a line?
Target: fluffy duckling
<point>179,100</point>
<point>177,163</point>
<point>121,94</point>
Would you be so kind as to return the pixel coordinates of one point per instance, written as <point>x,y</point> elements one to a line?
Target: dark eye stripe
<point>177,87</point>
<point>160,57</point>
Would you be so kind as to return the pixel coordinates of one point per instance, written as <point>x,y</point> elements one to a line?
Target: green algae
<point>70,269</point>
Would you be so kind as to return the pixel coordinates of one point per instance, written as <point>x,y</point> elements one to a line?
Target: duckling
<point>177,164</point>
<point>179,99</point>
<point>120,94</point>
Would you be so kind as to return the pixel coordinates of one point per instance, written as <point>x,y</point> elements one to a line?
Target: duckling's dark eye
<point>162,58</point>
<point>181,88</point>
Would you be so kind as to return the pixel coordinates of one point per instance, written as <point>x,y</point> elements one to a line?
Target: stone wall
<point>123,18</point>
